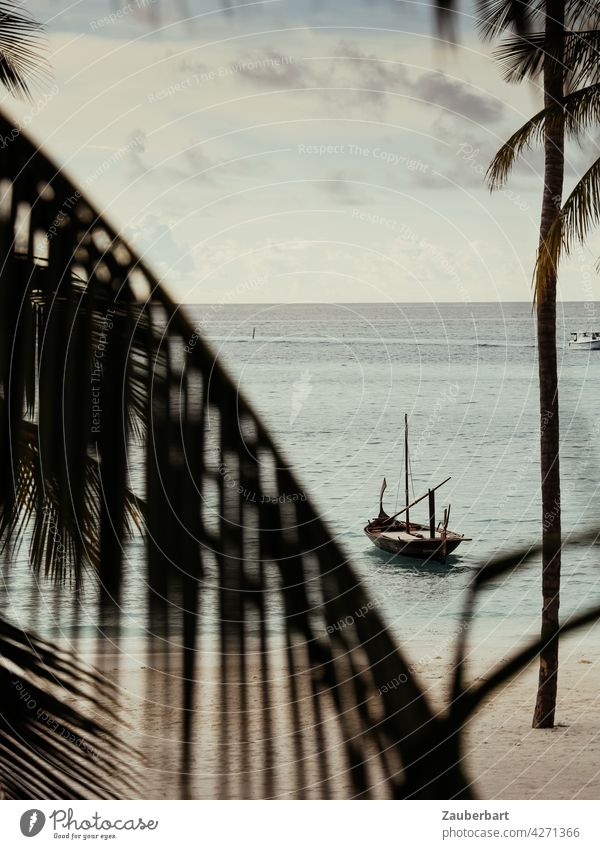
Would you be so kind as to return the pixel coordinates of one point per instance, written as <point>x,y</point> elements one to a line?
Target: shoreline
<point>505,757</point>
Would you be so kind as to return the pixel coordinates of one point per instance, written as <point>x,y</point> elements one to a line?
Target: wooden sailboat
<point>410,539</point>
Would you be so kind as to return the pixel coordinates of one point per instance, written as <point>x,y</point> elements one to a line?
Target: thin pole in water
<point>254,332</point>
<point>406,470</point>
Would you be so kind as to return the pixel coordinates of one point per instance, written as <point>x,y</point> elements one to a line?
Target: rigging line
<point>398,489</point>
<point>410,474</point>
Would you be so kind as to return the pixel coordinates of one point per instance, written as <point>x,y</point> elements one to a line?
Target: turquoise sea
<point>333,383</point>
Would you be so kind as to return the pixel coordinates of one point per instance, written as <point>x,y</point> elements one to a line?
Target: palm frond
<point>581,58</point>
<point>51,744</point>
<point>470,699</point>
<point>580,110</point>
<point>60,544</point>
<point>578,215</point>
<point>522,57</point>
<point>581,14</point>
<point>22,50</point>
<point>467,697</point>
<point>301,652</point>
<point>59,475</point>
<point>492,571</point>
<point>530,133</point>
<point>495,17</point>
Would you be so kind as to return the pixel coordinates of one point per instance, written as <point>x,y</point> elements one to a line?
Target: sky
<point>297,150</point>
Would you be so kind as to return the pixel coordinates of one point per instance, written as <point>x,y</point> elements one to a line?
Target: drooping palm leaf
<point>465,698</point>
<point>579,214</point>
<point>223,509</point>
<point>496,17</point>
<point>52,746</point>
<point>523,57</point>
<point>299,669</point>
<point>581,111</point>
<point>36,516</point>
<point>22,55</point>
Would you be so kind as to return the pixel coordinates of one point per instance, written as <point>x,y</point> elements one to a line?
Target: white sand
<point>505,757</point>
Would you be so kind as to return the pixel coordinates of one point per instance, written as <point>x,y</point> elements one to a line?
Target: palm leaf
<point>470,698</point>
<point>22,51</point>
<point>51,744</point>
<point>532,132</point>
<point>578,215</point>
<point>581,111</point>
<point>495,17</point>
<point>522,57</point>
<point>301,654</point>
<point>35,515</point>
<point>466,698</point>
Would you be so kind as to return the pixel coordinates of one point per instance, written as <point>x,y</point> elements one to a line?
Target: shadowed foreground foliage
<point>51,748</point>
<point>228,532</point>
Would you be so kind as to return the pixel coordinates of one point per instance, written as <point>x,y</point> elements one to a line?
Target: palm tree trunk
<point>548,374</point>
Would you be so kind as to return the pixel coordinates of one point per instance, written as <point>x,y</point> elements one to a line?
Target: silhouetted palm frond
<point>60,543</point>
<point>22,57</point>
<point>523,57</point>
<point>466,698</point>
<point>223,510</point>
<point>301,667</point>
<point>579,214</point>
<point>495,17</point>
<point>51,744</point>
<point>62,471</point>
<point>581,111</point>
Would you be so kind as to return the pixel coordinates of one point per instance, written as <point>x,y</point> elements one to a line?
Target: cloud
<point>273,68</point>
<point>356,76</point>
<point>154,239</point>
<point>340,184</point>
<point>457,97</point>
<point>347,76</point>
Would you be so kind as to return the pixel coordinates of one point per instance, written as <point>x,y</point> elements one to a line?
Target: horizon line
<point>373,303</point>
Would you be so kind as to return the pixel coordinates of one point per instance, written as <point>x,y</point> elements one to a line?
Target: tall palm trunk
<point>548,373</point>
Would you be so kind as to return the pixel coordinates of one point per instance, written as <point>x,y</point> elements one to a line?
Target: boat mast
<point>406,471</point>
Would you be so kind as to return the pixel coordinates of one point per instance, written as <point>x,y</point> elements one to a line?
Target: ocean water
<point>333,382</point>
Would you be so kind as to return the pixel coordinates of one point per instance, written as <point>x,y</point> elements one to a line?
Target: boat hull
<point>418,548</point>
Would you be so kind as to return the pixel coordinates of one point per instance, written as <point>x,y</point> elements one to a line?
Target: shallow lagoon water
<point>333,383</point>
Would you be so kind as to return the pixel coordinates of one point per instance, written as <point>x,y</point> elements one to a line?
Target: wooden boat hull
<point>421,547</point>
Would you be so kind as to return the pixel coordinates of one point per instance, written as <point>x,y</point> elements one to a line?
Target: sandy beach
<point>505,758</point>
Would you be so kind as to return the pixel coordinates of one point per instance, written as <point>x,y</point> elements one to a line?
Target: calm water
<point>333,383</point>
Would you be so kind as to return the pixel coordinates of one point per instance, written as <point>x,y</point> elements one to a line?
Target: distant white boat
<point>585,340</point>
